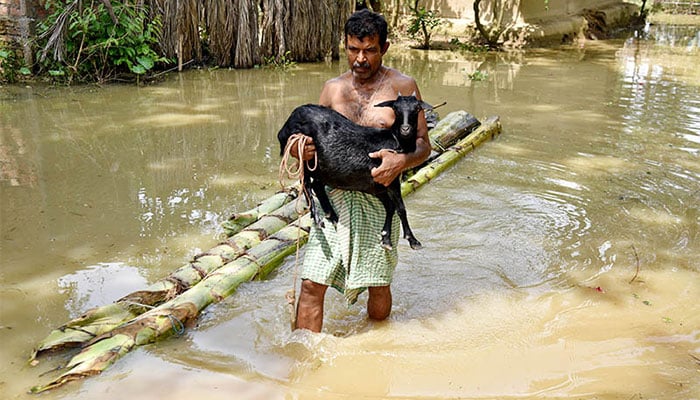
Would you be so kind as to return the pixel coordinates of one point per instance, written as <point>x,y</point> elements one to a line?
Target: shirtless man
<point>349,256</point>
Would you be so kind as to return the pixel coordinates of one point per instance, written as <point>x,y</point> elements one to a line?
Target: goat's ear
<point>388,103</point>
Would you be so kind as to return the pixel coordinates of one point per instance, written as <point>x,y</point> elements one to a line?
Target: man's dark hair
<point>365,23</point>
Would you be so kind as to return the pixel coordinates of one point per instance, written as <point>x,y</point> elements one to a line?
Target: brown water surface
<point>560,260</point>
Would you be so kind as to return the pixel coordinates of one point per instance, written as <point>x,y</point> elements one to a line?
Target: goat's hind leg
<point>394,193</point>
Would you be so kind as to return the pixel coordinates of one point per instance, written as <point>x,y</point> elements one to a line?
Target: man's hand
<point>309,147</point>
<point>391,167</point>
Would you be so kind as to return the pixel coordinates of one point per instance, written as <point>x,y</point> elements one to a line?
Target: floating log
<point>172,316</point>
<point>455,126</point>
<point>488,130</point>
<point>238,221</point>
<point>102,319</point>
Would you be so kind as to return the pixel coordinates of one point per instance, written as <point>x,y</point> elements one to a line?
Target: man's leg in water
<point>379,303</point>
<point>310,307</point>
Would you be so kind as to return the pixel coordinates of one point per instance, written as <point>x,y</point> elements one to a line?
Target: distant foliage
<point>422,23</point>
<point>468,46</point>
<point>284,62</point>
<point>97,41</point>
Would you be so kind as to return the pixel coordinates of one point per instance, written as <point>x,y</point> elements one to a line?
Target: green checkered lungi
<point>348,256</point>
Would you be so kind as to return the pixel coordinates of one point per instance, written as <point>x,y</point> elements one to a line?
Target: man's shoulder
<point>401,81</point>
<point>334,90</point>
<point>339,81</point>
<point>396,74</point>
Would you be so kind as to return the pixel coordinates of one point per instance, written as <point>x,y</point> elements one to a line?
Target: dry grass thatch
<point>310,30</point>
<point>299,30</point>
<point>180,35</point>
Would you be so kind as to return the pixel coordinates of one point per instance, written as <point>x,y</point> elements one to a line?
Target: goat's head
<point>406,110</point>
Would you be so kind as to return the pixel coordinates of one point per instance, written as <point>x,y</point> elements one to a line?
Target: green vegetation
<point>467,46</point>
<point>478,76</point>
<point>284,62</point>
<point>12,67</point>
<point>422,24</point>
<point>96,42</point>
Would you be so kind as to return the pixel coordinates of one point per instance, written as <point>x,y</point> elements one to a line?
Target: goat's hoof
<point>415,244</point>
<point>386,241</point>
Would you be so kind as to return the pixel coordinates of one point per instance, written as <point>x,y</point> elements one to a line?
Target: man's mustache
<point>361,65</point>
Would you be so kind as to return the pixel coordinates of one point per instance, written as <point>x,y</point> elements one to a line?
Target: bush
<point>12,66</point>
<point>99,42</point>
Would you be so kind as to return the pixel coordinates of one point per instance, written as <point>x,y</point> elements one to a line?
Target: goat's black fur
<point>342,150</point>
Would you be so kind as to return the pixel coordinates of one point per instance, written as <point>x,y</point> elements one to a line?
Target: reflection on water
<point>190,206</point>
<point>560,259</point>
<point>97,285</point>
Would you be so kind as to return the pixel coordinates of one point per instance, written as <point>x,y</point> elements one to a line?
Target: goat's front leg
<point>389,208</point>
<point>320,190</point>
<point>310,201</point>
<point>394,194</point>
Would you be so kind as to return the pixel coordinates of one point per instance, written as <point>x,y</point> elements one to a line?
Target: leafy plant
<point>467,46</point>
<point>478,76</point>
<point>422,24</point>
<point>283,62</point>
<point>11,66</point>
<point>99,41</point>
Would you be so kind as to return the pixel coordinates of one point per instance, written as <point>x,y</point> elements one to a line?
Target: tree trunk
<point>221,29</point>
<point>257,262</point>
<point>274,21</point>
<point>492,43</point>
<point>246,52</point>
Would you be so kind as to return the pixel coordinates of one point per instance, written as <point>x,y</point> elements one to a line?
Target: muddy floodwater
<point>560,260</point>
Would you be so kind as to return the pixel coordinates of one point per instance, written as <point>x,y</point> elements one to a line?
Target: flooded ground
<point>560,260</point>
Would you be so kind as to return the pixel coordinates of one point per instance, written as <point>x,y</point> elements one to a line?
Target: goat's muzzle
<point>405,130</point>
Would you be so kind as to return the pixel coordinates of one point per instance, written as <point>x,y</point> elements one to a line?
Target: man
<point>349,256</point>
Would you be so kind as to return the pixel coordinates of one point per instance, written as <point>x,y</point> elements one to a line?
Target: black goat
<point>343,162</point>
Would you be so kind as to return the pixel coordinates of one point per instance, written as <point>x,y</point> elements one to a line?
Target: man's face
<point>364,56</point>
